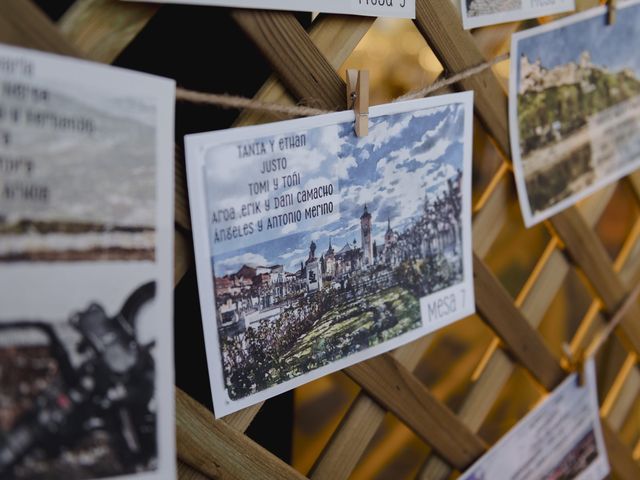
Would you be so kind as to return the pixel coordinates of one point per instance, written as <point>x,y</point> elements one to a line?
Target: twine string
<point>231,101</point>
<point>458,77</point>
<point>241,103</point>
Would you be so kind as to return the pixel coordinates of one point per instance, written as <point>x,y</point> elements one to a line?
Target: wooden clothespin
<point>358,99</point>
<point>575,362</point>
<point>611,11</point>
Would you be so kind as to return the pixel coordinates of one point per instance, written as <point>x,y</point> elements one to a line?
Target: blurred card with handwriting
<point>86,270</point>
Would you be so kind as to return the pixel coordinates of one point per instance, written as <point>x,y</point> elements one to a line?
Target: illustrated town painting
<point>295,303</point>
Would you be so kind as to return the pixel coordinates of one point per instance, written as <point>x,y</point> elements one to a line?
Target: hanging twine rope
<point>458,77</point>
<point>231,101</point>
<point>241,103</point>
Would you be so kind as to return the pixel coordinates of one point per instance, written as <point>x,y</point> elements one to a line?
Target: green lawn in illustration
<point>352,327</point>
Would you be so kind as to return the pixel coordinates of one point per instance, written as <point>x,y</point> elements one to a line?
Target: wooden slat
<point>497,309</point>
<point>589,254</point>
<point>475,409</point>
<point>620,456</point>
<point>182,216</point>
<point>219,451</point>
<point>349,441</point>
<point>187,472</point>
<point>402,393</point>
<point>23,24</point>
<point>241,419</point>
<point>298,62</point>
<point>182,255</point>
<point>335,36</point>
<point>488,222</point>
<point>623,393</point>
<point>360,423</point>
<point>102,29</point>
<point>440,24</point>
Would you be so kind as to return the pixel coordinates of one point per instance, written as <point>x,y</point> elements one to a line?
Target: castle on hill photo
<point>577,109</point>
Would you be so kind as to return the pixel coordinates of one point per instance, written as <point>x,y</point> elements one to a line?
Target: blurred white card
<point>480,13</point>
<point>86,270</point>
<point>368,8</point>
<point>561,438</point>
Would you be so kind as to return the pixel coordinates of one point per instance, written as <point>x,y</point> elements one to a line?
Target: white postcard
<point>561,438</point>
<point>480,13</point>
<point>86,270</point>
<point>574,108</point>
<point>368,8</point>
<point>316,249</point>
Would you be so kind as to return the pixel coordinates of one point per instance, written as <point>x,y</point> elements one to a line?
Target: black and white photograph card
<point>86,270</point>
<point>480,13</point>
<point>368,8</point>
<point>316,249</point>
<point>574,108</point>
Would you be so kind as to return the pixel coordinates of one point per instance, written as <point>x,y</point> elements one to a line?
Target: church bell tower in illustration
<point>367,241</point>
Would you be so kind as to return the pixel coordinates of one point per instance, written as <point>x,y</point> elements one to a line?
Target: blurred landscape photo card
<point>574,107</point>
<point>480,13</point>
<point>369,8</point>
<point>561,438</point>
<point>86,270</point>
<point>316,249</point>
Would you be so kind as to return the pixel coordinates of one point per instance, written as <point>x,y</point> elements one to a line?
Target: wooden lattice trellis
<point>305,66</point>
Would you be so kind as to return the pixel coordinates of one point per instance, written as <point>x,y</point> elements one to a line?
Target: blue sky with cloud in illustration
<point>404,157</point>
<point>614,46</point>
